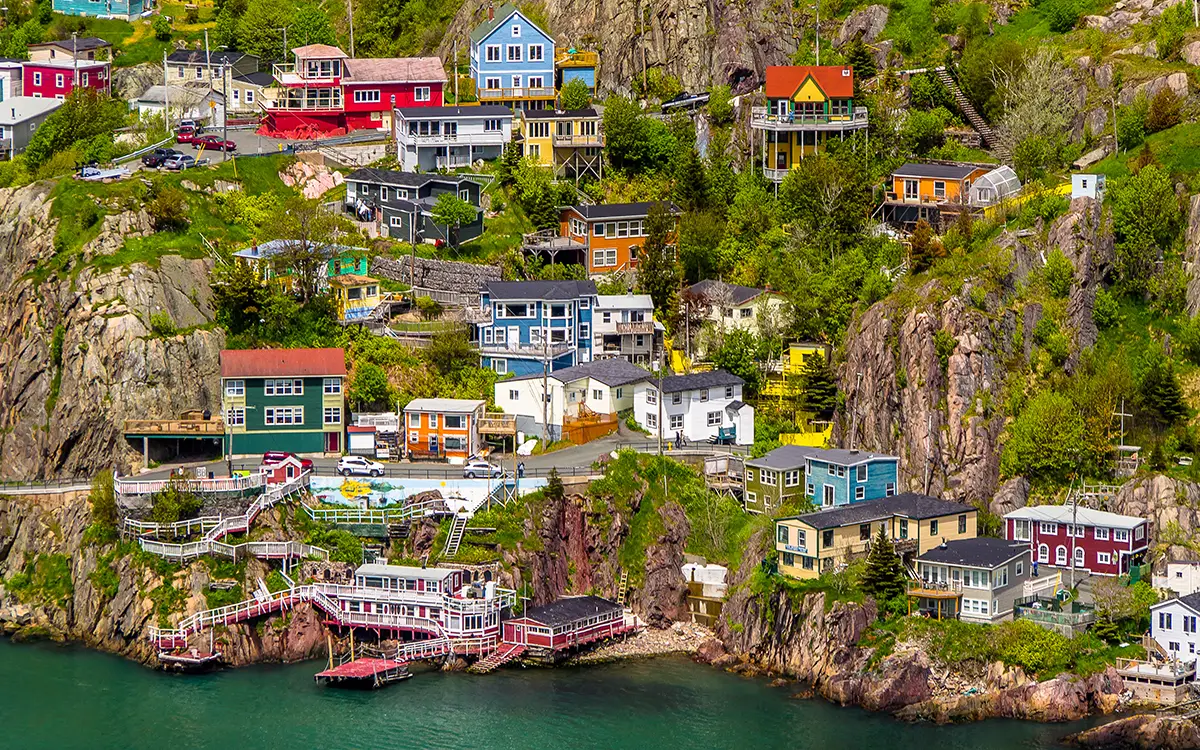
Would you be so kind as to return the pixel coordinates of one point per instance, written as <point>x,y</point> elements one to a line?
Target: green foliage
<point>858,57</point>
<point>250,211</point>
<point>944,344</point>
<point>275,582</point>
<point>1165,111</point>
<point>924,248</point>
<point>924,130</point>
<point>633,142</point>
<point>720,105</point>
<point>1159,391</point>
<point>162,28</point>
<point>85,119</point>
<point>818,387</point>
<point>738,354</point>
<point>161,324</point>
<point>167,600</point>
<point>508,164</point>
<point>538,196</point>
<point>1170,29</point>
<point>1061,14</point>
<point>1131,123</point>
<point>369,388</point>
<point>103,499</point>
<point>1146,220</point>
<point>450,352</point>
<point>45,579</point>
<point>985,61</point>
<point>172,503</point>
<point>342,545</point>
<point>575,94</point>
<point>828,197</point>
<point>1043,441</point>
<point>453,212</point>
<point>658,272</point>
<point>883,577</point>
<point>1032,157</point>
<point>1058,273</point>
<point>105,578</point>
<point>1019,643</point>
<point>168,210</point>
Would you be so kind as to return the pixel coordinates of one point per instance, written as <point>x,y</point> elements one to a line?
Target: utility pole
<point>818,30</point>
<point>350,18</point>
<point>224,115</point>
<point>166,97</point>
<point>545,384</point>
<point>456,70</point>
<point>854,412</point>
<point>75,61</point>
<point>208,61</point>
<point>928,458</point>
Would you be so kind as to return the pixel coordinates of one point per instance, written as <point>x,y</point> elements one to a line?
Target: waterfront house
<point>726,307</point>
<point>56,68</point>
<point>401,203</point>
<point>512,60</point>
<point>703,406</point>
<point>815,543</point>
<point>287,400</point>
<point>526,327</point>
<point>624,326</point>
<point>806,105</point>
<point>566,623</point>
<point>355,296</point>
<point>775,478</point>
<point>443,428</point>
<point>125,10</point>
<point>976,580</point>
<point>569,400</point>
<point>835,476</point>
<point>602,239</point>
<point>20,117</point>
<point>570,142</point>
<point>1173,626</point>
<point>936,192</point>
<point>1090,541</point>
<point>432,138</point>
<point>325,90</point>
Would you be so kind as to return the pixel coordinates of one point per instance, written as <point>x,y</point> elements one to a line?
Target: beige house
<point>816,543</point>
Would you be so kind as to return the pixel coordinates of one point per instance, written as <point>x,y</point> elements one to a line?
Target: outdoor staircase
<point>623,588</point>
<point>506,653</point>
<point>454,538</point>
<point>399,530</point>
<point>964,105</point>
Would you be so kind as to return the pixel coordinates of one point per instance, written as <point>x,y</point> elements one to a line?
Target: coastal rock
<point>1141,732</point>
<point>114,229</point>
<point>866,24</point>
<point>1170,505</point>
<point>711,650</point>
<point>663,598</point>
<point>1084,238</point>
<point>1010,694</point>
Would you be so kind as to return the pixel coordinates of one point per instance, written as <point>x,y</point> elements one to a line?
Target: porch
<point>937,600</point>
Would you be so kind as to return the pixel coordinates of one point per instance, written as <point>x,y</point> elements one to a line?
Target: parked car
<point>179,162</point>
<point>185,135</point>
<point>191,124</point>
<point>274,457</point>
<point>213,143</point>
<point>156,157</point>
<point>474,469</point>
<point>348,465</point>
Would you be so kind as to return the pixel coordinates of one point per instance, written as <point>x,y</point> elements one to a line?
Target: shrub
<point>162,325</point>
<point>1165,111</point>
<point>1059,273</point>
<point>720,105</point>
<point>191,14</point>
<point>162,28</point>
<point>1042,442</point>
<point>429,308</point>
<point>1106,312</point>
<point>173,504</point>
<point>168,210</point>
<point>1061,14</point>
<point>944,344</point>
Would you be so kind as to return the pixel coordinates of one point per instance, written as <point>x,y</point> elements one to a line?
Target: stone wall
<point>444,275</point>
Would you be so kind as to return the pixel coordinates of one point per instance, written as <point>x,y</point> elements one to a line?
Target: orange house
<point>928,191</point>
<point>443,427</point>
<point>603,239</point>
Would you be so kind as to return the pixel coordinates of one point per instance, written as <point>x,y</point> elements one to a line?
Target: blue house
<point>836,476</point>
<point>524,324</point>
<point>123,9</point>
<point>512,61</point>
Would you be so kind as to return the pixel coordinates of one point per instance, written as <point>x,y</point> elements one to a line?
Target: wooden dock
<point>365,672</point>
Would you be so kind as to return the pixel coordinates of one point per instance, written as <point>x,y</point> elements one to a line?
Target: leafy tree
<point>310,25</point>
<point>369,388</point>
<point>1172,25</point>
<point>818,387</point>
<point>1106,311</point>
<point>1031,158</point>
<point>310,236</point>
<point>1131,123</point>
<point>84,115</point>
<point>1043,441</point>
<point>632,142</point>
<point>575,94</point>
<point>1059,273</point>
<point>984,62</point>
<point>722,182</point>
<point>259,30</point>
<point>1039,100</point>
<point>450,352</point>
<point>924,248</point>
<point>1159,390</point>
<point>924,130</point>
<point>172,503</point>
<point>162,28</point>
<point>103,498</point>
<point>168,210</point>
<point>1146,219</point>
<point>453,212</point>
<point>737,355</point>
<point>239,296</point>
<point>1062,15</point>
<point>658,270</point>
<point>700,233</point>
<point>537,194</point>
<point>720,105</point>
<point>829,197</point>
<point>883,577</point>
<point>753,211</point>
<point>225,32</point>
<point>1165,111</point>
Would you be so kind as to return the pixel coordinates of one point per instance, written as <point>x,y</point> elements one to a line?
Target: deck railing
<point>213,426</point>
<point>376,515</point>
<point>136,487</point>
<point>491,95</point>
<point>763,115</point>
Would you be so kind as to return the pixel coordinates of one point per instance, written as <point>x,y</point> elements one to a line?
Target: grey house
<point>402,203</point>
<point>977,580</point>
<point>20,117</point>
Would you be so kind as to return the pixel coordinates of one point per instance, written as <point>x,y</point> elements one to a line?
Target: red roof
<point>783,81</point>
<point>265,363</point>
<point>394,70</point>
<point>360,429</point>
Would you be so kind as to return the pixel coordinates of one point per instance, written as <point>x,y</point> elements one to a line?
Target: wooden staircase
<point>964,105</point>
<point>623,588</point>
<point>506,653</point>
<point>454,538</point>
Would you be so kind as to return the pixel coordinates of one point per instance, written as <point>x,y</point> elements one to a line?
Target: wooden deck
<point>366,672</point>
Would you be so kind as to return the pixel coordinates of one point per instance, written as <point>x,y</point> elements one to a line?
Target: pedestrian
<point>521,470</point>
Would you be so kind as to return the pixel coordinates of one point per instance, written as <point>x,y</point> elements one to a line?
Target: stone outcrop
<point>1191,256</point>
<point>62,410</point>
<point>866,24</point>
<point>1009,693</point>
<point>131,82</point>
<point>312,180</point>
<point>1172,506</point>
<point>1141,732</point>
<point>1176,82</point>
<point>1086,240</point>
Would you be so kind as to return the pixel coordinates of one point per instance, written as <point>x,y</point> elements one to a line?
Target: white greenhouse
<point>995,186</point>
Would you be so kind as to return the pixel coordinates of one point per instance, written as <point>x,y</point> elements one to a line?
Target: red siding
<point>1088,543</point>
<point>405,94</point>
<point>97,78</point>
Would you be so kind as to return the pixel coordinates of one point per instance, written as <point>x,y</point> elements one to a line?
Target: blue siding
<point>116,8</point>
<point>578,321</point>
<point>587,75</point>
<point>502,37</point>
<point>880,474</point>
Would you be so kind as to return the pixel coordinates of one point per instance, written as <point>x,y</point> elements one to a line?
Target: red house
<point>567,623</point>
<point>282,471</point>
<point>55,68</point>
<point>1098,542</point>
<point>325,90</point>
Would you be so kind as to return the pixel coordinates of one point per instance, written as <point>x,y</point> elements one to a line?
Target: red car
<point>213,143</point>
<point>185,135</point>
<point>274,457</point>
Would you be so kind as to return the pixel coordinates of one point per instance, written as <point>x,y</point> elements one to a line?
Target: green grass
<point>501,234</point>
<point>1174,148</point>
<point>134,43</point>
<point>46,579</point>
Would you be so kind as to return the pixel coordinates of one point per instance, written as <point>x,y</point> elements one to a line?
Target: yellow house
<point>356,296</point>
<point>571,142</point>
<point>783,377</point>
<point>817,543</point>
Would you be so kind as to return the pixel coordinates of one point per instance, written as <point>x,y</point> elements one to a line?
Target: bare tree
<point>1039,99</point>
<point>309,234</point>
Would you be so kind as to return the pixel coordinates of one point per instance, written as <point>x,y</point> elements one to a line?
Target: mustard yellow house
<point>356,296</point>
<point>571,142</point>
<point>806,104</point>
<point>817,543</point>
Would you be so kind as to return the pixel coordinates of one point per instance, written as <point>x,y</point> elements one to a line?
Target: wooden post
<point>351,643</point>
<point>329,647</point>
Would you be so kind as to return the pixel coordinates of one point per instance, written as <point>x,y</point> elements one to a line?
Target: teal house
<point>262,257</point>
<point>283,400</point>
<point>123,9</point>
<point>835,476</point>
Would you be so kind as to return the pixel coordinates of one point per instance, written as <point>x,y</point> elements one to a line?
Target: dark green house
<point>283,400</point>
<point>775,478</point>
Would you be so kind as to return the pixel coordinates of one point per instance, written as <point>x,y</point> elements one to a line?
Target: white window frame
<point>500,366</point>
<point>489,49</point>
<point>513,54</point>
<point>651,421</point>
<point>235,387</point>
<point>37,78</point>
<point>367,96</point>
<point>652,396</point>
<point>1120,535</point>
<point>59,80</point>
<point>541,53</point>
<point>676,422</point>
<point>1048,527</point>
<point>1104,558</point>
<point>713,419</point>
<point>422,93</point>
<point>235,416</point>
<point>491,83</point>
<point>332,386</point>
<point>332,415</point>
<point>516,31</point>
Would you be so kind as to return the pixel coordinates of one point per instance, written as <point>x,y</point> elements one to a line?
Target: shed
<point>361,440</point>
<point>283,470</point>
<point>1088,186</point>
<point>995,186</point>
<point>567,623</point>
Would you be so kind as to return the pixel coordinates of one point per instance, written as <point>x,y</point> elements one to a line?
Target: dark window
<point>933,526</point>
<point>827,538</point>
<point>962,524</point>
<point>864,532</point>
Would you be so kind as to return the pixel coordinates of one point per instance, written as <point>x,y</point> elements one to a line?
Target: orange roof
<point>836,81</point>
<point>266,363</point>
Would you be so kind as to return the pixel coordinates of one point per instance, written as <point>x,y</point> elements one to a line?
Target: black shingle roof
<point>1191,600</point>
<point>697,381</point>
<point>566,611</point>
<point>981,552</point>
<point>403,179</point>
<point>564,290</point>
<point>740,295</point>
<point>783,458</point>
<point>552,114</point>
<point>908,504</point>
<point>257,79</point>
<point>611,372</point>
<point>199,57</point>
<point>81,44</point>
<point>620,210</point>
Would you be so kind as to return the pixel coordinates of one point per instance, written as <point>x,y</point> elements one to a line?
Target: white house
<point>603,387</point>
<point>1173,624</point>
<point>1183,577</point>
<point>729,307</point>
<point>433,138</point>
<point>702,406</point>
<point>623,325</point>
<point>1088,186</point>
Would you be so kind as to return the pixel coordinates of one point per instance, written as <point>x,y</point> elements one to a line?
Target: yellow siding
<point>809,92</point>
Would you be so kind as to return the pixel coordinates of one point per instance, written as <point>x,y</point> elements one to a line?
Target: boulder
<point>1095,121</point>
<point>1191,256</point>
<point>1104,75</point>
<point>1191,53</point>
<point>1140,732</point>
<point>1103,23</point>
<point>1177,82</point>
<point>866,24</point>
<point>1012,495</point>
<point>710,650</point>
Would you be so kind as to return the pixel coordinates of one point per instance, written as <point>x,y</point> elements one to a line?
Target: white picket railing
<point>376,516</point>
<point>1050,583</point>
<point>135,487</point>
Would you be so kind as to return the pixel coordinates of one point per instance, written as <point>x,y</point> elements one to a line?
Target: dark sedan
<point>156,157</point>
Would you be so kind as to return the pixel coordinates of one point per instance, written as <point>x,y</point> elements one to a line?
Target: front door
<point>828,499</point>
<point>514,337</point>
<point>333,442</point>
<point>911,190</point>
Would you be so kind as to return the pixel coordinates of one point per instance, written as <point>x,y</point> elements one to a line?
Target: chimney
<point>491,12</point>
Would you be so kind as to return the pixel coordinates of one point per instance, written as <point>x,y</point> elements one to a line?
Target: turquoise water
<point>52,697</point>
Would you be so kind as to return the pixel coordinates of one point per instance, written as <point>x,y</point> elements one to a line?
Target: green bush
<point>1059,273</point>
<point>944,344</point>
<point>1043,440</point>
<point>162,325</point>
<point>162,28</point>
<point>168,210</point>
<point>1106,311</point>
<point>1062,15</point>
<point>45,579</point>
<point>172,504</point>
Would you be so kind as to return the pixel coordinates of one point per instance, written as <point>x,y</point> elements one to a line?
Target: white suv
<point>348,465</point>
<point>474,469</point>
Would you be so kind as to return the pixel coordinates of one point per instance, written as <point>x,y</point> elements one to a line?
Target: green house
<point>345,260</point>
<point>283,400</point>
<point>775,478</point>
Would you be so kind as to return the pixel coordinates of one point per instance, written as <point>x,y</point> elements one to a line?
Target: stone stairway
<point>399,530</point>
<point>968,109</point>
<point>454,538</point>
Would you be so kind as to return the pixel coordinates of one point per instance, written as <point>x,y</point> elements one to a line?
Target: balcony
<point>408,137</point>
<point>774,175</point>
<point>533,351</point>
<point>763,119</point>
<point>935,589</point>
<point>452,162</point>
<point>499,95</point>
<point>578,141</point>
<point>646,326</point>
<point>184,427</point>
<point>276,100</point>
<point>495,423</point>
<point>915,200</point>
<point>287,75</point>
<point>565,58</point>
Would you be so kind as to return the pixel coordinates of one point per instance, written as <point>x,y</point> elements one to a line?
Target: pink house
<point>55,69</point>
<point>1098,542</point>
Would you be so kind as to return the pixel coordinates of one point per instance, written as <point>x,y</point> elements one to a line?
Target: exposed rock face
<point>1171,506</point>
<point>700,43</point>
<point>446,275</point>
<point>1191,53</point>
<point>65,416</point>
<point>1087,241</point>
<point>1010,694</point>
<point>1191,256</point>
<point>866,24</point>
<point>1012,495</point>
<point>131,82</point>
<point>1177,82</point>
<point>1141,732</point>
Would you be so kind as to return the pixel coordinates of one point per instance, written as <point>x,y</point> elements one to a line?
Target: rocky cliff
<point>923,369</point>
<point>1141,732</point>
<point>77,348</point>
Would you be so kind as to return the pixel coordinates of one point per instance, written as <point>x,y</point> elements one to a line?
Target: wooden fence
<point>586,429</point>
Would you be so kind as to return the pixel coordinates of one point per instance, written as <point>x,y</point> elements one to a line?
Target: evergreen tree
<point>658,271</point>
<point>506,165</point>
<point>1160,391</point>
<point>924,248</point>
<point>884,576</point>
<point>555,492</point>
<point>862,61</point>
<point>818,387</point>
<point>104,502</point>
<point>722,182</point>
<point>691,184</point>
